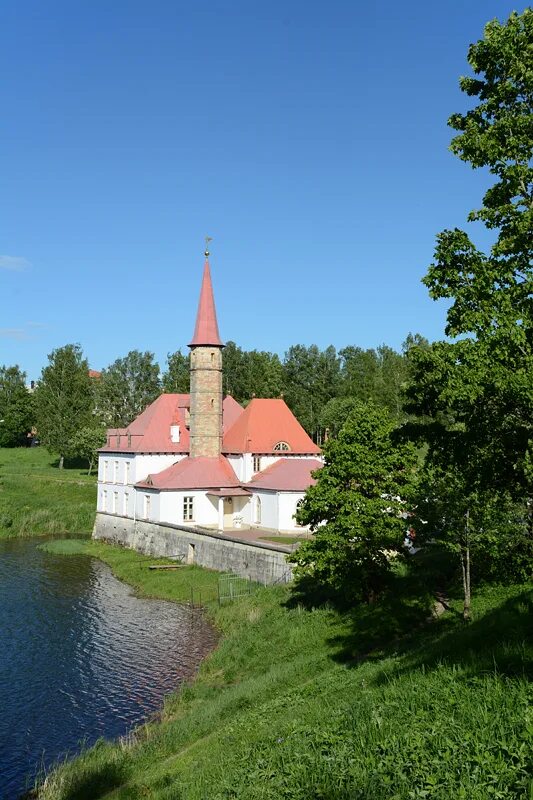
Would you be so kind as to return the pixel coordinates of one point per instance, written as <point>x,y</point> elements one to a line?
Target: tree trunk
<point>465,567</point>
<point>90,466</point>
<point>61,460</point>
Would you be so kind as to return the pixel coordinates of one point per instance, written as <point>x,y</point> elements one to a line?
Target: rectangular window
<point>125,504</point>
<point>188,509</point>
<point>115,502</point>
<point>104,500</point>
<point>147,504</point>
<point>104,477</point>
<point>257,463</point>
<point>115,473</point>
<point>127,473</point>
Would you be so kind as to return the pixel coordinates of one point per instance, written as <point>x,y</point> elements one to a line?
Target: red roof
<point>194,473</point>
<point>93,373</point>
<point>206,330</point>
<point>262,425</point>
<point>231,411</point>
<point>287,474</point>
<point>150,432</point>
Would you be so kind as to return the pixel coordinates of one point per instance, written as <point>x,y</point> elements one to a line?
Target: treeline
<point>71,406</point>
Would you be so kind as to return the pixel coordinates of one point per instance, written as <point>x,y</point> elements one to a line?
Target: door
<point>228,512</point>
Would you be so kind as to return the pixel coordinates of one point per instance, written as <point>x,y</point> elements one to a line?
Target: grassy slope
<point>36,498</point>
<point>300,704</point>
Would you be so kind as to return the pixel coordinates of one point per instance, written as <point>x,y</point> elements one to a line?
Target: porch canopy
<point>236,491</point>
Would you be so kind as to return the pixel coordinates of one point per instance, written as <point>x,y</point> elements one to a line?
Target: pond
<point>80,657</point>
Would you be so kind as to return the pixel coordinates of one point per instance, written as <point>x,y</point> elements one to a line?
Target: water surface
<point>80,657</point>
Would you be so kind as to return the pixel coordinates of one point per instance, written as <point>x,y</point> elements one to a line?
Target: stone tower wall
<point>206,401</point>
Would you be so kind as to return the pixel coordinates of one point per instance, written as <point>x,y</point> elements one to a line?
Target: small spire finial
<point>207,240</point>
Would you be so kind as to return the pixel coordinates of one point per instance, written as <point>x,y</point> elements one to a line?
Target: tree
<point>177,377</point>
<point>87,441</point>
<point>264,374</point>
<point>234,373</point>
<point>63,399</point>
<point>474,396</point>
<point>335,413</point>
<point>16,407</point>
<point>310,379</point>
<point>354,508</point>
<point>127,387</point>
<point>482,383</point>
<point>359,373</point>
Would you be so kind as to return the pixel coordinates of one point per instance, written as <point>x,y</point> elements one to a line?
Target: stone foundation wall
<point>257,562</point>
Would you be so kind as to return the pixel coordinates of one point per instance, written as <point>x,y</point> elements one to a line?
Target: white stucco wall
<point>205,509</point>
<point>140,505</point>
<point>287,508</point>
<point>238,464</point>
<point>140,466</point>
<point>120,478</point>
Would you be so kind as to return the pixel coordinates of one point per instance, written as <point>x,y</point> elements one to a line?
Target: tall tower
<point>206,375</point>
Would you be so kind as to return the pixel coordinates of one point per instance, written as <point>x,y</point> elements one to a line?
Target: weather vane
<point>207,240</point>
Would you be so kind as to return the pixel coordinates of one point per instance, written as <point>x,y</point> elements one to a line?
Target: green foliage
<point>484,383</point>
<point>63,399</point>
<point>354,508</point>
<point>497,133</point>
<point>460,516</point>
<point>310,378</point>
<point>335,413</point>
<point>252,373</point>
<point>474,396</point>
<point>87,441</point>
<point>177,377</point>
<point>16,407</point>
<point>127,387</point>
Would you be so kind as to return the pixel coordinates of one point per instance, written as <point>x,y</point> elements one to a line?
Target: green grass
<point>281,539</point>
<point>65,547</point>
<point>300,703</point>
<point>37,498</point>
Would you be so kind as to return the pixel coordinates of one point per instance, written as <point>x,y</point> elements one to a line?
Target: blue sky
<point>308,139</point>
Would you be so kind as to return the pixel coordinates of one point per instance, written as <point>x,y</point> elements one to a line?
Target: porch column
<point>221,513</point>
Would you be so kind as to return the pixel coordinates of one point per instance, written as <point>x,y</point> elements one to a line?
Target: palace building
<point>201,460</point>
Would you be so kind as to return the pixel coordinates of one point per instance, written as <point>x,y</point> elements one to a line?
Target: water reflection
<point>80,657</point>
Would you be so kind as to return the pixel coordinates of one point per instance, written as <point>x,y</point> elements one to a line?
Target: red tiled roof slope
<point>287,474</point>
<point>194,473</point>
<point>150,432</point>
<point>263,424</point>
<point>231,411</point>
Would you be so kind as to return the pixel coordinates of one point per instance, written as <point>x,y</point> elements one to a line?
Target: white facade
<point>117,475</point>
<point>263,508</point>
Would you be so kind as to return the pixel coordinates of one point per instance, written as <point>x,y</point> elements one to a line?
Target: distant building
<point>200,459</point>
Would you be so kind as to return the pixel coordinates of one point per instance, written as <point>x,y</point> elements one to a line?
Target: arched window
<point>298,504</point>
<point>257,510</point>
<point>281,446</point>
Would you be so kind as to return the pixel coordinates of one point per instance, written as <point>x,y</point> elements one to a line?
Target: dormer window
<point>129,439</point>
<point>175,433</point>
<point>281,446</point>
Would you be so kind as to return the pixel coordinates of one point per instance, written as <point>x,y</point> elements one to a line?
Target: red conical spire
<point>206,330</point>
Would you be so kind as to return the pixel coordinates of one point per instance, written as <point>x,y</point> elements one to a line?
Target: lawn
<point>300,702</point>
<point>37,498</point>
